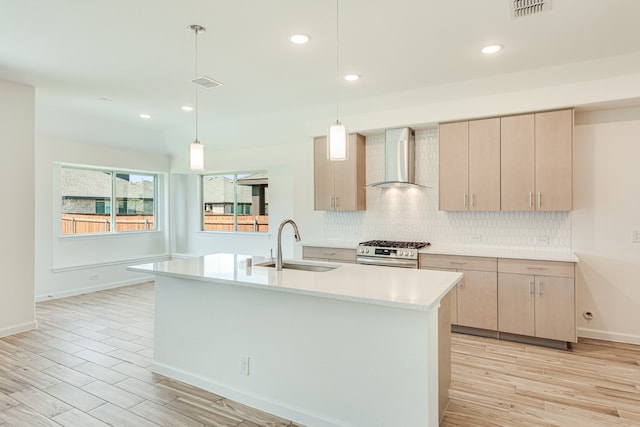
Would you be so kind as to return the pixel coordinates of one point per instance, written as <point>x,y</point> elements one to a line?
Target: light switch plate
<point>244,365</point>
<point>635,236</point>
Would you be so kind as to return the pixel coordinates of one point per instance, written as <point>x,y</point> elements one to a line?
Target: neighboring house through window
<point>235,202</point>
<point>89,194</point>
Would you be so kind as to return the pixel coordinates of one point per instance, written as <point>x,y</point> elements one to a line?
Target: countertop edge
<point>146,268</point>
<point>561,256</point>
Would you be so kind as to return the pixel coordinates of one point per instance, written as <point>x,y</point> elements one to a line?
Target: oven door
<point>387,262</point>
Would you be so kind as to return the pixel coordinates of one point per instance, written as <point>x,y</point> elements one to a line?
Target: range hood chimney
<point>400,161</point>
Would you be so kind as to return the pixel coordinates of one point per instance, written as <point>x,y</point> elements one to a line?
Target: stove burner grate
<point>395,244</point>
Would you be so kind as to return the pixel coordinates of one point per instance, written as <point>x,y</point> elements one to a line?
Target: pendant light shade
<point>337,139</point>
<point>196,156</point>
<point>196,150</point>
<point>337,144</point>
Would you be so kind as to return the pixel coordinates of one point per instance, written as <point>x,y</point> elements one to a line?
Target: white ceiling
<point>139,54</point>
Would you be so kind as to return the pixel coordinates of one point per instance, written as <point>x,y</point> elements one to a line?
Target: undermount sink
<point>299,266</point>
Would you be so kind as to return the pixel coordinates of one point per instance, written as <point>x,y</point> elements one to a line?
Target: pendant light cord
<point>196,76</point>
<point>337,60</point>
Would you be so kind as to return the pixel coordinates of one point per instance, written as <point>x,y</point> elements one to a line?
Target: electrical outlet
<point>635,236</point>
<point>244,365</point>
<point>93,277</point>
<point>542,240</point>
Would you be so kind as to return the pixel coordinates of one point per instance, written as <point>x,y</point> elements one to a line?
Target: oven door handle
<point>403,263</point>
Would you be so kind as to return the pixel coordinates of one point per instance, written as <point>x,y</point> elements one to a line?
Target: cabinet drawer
<point>331,254</point>
<point>540,268</point>
<point>458,262</point>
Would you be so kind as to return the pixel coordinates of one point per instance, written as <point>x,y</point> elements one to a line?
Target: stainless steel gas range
<point>389,253</point>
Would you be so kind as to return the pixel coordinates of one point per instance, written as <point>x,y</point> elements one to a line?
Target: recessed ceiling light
<point>494,48</point>
<point>145,116</point>
<point>299,38</point>
<point>352,77</point>
<point>187,108</point>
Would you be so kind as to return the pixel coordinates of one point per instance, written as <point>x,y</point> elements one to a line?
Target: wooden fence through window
<point>257,223</point>
<point>87,223</point>
<point>99,223</point>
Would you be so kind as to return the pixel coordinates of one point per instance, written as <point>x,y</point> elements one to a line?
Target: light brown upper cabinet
<point>536,165</point>
<point>339,185</point>
<point>470,165</point>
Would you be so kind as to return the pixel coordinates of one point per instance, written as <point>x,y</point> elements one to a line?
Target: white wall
<point>68,265</point>
<point>17,310</point>
<point>607,209</point>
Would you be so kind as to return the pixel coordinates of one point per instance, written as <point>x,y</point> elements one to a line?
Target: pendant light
<point>337,139</point>
<point>196,149</point>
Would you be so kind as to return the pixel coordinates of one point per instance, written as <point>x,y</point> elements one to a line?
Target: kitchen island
<point>352,346</point>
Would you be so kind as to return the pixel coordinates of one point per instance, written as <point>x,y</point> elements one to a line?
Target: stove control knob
<point>403,253</point>
<point>411,253</point>
<point>366,250</point>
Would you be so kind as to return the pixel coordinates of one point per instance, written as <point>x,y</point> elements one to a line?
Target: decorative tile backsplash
<point>412,214</point>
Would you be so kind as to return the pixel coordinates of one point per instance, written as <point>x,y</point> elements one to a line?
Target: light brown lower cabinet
<point>537,299</point>
<point>531,298</point>
<point>475,299</point>
<point>320,253</point>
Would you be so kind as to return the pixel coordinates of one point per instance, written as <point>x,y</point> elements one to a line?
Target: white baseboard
<point>609,336</point>
<point>89,289</point>
<point>16,329</point>
<point>279,409</point>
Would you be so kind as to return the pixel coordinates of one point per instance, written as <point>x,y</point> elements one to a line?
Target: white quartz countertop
<point>540,254</point>
<point>393,287</point>
<point>531,254</point>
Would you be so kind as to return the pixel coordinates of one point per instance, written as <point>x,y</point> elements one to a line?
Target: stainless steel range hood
<point>400,161</point>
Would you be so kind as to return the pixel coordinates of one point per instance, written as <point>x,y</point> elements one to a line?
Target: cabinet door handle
<point>539,200</point>
<point>539,288</point>
<point>457,262</point>
<point>530,287</point>
<point>530,200</point>
<point>465,200</point>
<point>536,268</point>
<point>331,201</point>
<point>337,201</point>
<point>328,253</point>
<point>473,200</point>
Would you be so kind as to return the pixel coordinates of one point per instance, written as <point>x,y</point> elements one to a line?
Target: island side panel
<point>318,361</point>
<point>444,352</point>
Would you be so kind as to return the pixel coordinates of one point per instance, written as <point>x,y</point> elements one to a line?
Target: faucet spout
<point>296,234</point>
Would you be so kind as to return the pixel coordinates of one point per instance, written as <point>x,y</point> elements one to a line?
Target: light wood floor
<point>87,365</point>
<point>499,383</point>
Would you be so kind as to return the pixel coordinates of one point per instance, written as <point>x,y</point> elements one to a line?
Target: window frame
<point>112,201</point>
<point>235,205</point>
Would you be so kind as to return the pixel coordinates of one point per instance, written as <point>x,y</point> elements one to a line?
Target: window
<point>236,202</point>
<point>89,194</point>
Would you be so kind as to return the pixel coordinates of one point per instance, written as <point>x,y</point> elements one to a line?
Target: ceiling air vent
<point>206,82</point>
<point>521,8</point>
